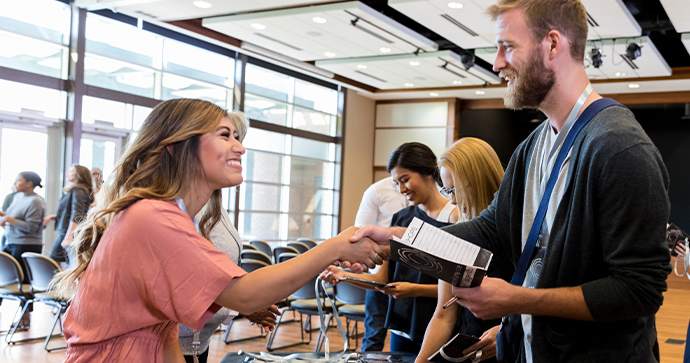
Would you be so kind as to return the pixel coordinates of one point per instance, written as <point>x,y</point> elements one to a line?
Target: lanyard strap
<point>532,238</point>
<point>570,121</point>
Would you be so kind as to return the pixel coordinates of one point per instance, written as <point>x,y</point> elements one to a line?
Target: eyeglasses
<point>447,193</point>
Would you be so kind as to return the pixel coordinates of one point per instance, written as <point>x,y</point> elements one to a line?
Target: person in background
<point>72,209</point>
<point>23,219</point>
<point>97,177</point>
<point>379,202</point>
<point>143,253</point>
<point>5,204</point>
<point>471,174</point>
<point>411,294</point>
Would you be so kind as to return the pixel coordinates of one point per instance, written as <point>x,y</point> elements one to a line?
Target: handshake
<point>367,246</point>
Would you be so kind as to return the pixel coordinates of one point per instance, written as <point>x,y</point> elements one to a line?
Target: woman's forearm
<point>440,328</point>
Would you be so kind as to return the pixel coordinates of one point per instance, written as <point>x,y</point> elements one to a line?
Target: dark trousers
<point>16,252</point>
<point>687,350</point>
<point>401,344</point>
<point>375,308</point>
<point>203,357</point>
<point>58,253</point>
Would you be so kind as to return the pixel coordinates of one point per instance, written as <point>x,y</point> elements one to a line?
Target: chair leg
<point>14,318</point>
<point>15,324</point>
<point>322,337</point>
<point>303,325</point>
<point>50,334</point>
<point>227,332</point>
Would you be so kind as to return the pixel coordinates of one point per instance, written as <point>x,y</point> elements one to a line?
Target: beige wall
<point>358,158</point>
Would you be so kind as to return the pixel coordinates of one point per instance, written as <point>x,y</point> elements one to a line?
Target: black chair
<point>262,246</point>
<point>308,242</point>
<point>256,255</point>
<point>280,250</point>
<point>41,271</point>
<point>248,247</point>
<point>352,298</point>
<point>11,286</point>
<point>305,303</point>
<point>301,247</point>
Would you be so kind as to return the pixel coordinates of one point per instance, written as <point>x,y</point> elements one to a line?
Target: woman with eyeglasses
<point>412,294</point>
<point>471,174</point>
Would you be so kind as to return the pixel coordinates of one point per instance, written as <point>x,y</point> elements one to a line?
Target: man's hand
<point>265,319</point>
<point>399,290</point>
<point>379,235</point>
<point>487,344</point>
<point>494,298</point>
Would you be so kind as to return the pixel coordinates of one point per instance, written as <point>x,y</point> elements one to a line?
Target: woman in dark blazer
<point>72,209</point>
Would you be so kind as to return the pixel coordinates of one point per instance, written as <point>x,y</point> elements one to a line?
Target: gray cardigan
<point>608,238</point>
<point>28,228</point>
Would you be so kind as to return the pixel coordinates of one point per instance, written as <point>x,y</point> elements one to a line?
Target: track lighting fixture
<point>595,56</point>
<point>633,51</point>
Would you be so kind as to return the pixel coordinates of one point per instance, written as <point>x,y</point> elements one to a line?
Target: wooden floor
<point>672,324</point>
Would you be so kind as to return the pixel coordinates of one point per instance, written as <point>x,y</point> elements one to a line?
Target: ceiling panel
<point>686,41</point>
<point>679,13</point>
<point>168,10</point>
<point>472,28</point>
<point>350,29</point>
<point>430,69</point>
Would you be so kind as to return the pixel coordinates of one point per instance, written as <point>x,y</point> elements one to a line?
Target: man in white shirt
<point>379,203</point>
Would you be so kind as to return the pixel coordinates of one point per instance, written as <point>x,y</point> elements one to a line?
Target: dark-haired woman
<point>23,219</point>
<point>72,209</point>
<point>412,294</point>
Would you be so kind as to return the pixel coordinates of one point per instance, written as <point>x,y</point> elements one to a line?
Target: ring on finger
<point>375,258</point>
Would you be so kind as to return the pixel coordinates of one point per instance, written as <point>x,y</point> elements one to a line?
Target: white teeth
<point>234,162</point>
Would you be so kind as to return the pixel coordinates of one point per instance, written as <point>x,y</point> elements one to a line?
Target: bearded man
<point>591,291</point>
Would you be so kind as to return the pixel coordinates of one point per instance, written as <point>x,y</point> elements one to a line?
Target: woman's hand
<point>365,252</point>
<point>2,214</point>
<point>399,290</point>
<point>67,240</point>
<point>49,218</point>
<point>332,274</point>
<point>487,344</point>
<point>7,219</point>
<point>265,319</point>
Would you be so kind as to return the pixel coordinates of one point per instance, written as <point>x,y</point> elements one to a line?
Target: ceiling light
<point>480,92</point>
<point>595,56</point>
<point>319,20</point>
<point>202,4</point>
<point>329,54</point>
<point>384,50</point>
<point>362,66</point>
<point>409,85</point>
<point>258,26</point>
<point>455,5</point>
<point>633,51</point>
<point>433,94</point>
<point>634,85</point>
<point>467,59</point>
<point>457,82</point>
<point>414,63</point>
<point>620,74</point>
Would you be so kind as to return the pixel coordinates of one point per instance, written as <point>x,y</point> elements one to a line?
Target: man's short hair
<point>567,16</point>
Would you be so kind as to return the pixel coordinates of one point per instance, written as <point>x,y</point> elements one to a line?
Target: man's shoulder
<point>614,129</point>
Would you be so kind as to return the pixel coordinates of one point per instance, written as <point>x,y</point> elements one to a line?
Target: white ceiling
<point>686,41</point>
<point>296,33</point>
<point>650,63</point>
<point>167,10</point>
<point>430,69</point>
<point>679,13</point>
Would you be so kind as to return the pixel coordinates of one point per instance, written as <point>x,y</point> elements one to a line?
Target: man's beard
<point>532,84</point>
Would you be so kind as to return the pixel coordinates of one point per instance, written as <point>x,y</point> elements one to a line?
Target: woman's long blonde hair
<point>477,173</point>
<point>161,163</point>
<point>83,180</point>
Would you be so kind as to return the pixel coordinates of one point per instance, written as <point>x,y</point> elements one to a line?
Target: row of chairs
<point>262,251</point>
<point>40,270</point>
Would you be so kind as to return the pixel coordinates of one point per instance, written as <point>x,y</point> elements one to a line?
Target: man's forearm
<point>562,302</point>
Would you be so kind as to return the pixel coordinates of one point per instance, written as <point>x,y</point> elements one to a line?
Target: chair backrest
<point>349,294</point>
<point>279,250</point>
<point>286,256</point>
<point>248,247</point>
<point>252,265</point>
<point>41,270</point>
<point>307,242</point>
<point>262,246</point>
<point>299,246</point>
<point>256,255</point>
<point>10,270</point>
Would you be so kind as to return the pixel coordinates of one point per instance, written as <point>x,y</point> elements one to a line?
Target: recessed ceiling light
<point>319,20</point>
<point>362,66</point>
<point>384,50</point>
<point>634,85</point>
<point>202,4</point>
<point>457,82</point>
<point>409,85</point>
<point>329,54</point>
<point>455,5</point>
<point>414,63</point>
<point>620,74</point>
<point>433,94</point>
<point>258,26</point>
<point>480,92</point>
